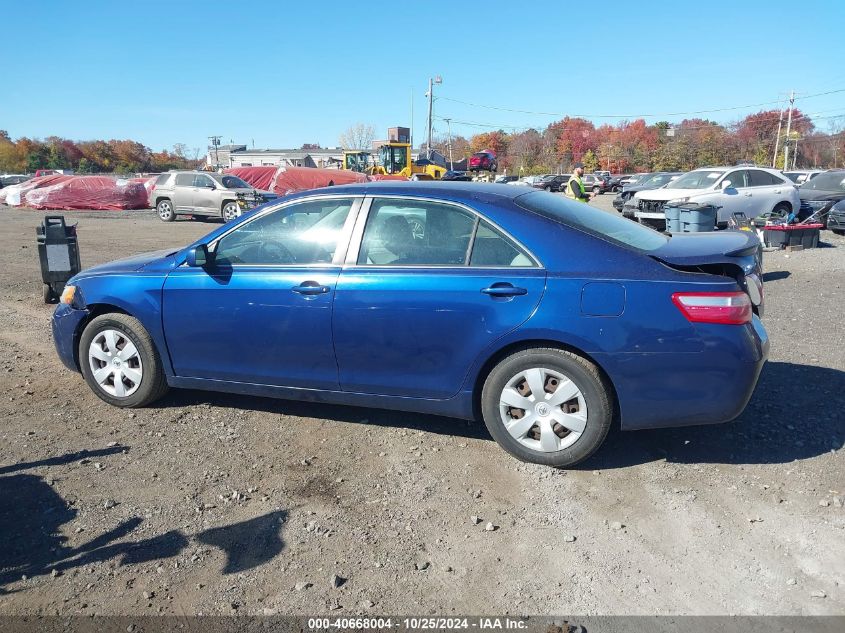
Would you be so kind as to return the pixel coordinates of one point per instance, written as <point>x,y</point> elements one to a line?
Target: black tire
<point>165,210</point>
<point>596,189</point>
<point>48,295</point>
<point>838,231</point>
<point>782,209</point>
<point>586,376</point>
<point>153,383</point>
<point>547,188</point>
<point>229,211</point>
<point>616,189</point>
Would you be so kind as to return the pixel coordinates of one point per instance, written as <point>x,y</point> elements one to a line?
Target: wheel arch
<point>784,202</point>
<point>513,347</point>
<point>94,310</point>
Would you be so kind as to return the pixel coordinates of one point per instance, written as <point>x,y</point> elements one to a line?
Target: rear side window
<point>608,226</point>
<point>184,180</point>
<point>491,248</point>
<point>760,178</point>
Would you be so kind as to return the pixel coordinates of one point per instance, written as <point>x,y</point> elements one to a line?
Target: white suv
<point>750,190</point>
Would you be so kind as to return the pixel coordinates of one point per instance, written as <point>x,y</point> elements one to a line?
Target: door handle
<point>504,290</point>
<point>748,194</point>
<point>777,190</point>
<point>310,288</point>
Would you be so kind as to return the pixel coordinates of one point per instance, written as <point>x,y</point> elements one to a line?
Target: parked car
<point>502,179</point>
<point>13,179</point>
<point>633,178</point>
<point>331,296</point>
<point>800,176</point>
<point>824,197</point>
<point>483,161</point>
<point>653,181</point>
<point>595,183</point>
<point>526,181</point>
<point>615,184</point>
<point>750,190</point>
<point>456,175</point>
<point>552,182</point>
<point>203,194</point>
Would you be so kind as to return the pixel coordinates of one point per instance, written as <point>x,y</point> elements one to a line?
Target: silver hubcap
<point>543,410</point>
<point>164,210</point>
<point>115,363</point>
<point>230,211</point>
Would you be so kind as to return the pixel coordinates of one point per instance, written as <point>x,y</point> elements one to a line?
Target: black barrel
<point>58,252</point>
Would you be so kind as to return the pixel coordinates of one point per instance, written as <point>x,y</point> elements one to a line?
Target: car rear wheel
<point>782,209</point>
<point>547,188</point>
<point>596,189</point>
<point>165,211</point>
<point>119,361</point>
<point>230,211</point>
<point>547,406</point>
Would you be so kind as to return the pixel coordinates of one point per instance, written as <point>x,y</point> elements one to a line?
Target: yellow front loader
<point>394,159</point>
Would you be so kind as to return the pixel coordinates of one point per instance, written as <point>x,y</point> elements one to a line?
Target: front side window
<point>421,233</point>
<point>201,180</point>
<point>300,234</point>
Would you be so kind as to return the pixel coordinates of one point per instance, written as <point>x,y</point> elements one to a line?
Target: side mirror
<point>198,257</point>
<point>726,184</point>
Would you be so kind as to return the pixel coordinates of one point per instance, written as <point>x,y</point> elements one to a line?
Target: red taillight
<point>733,308</point>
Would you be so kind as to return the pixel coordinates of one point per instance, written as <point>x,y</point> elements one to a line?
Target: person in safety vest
<point>575,188</point>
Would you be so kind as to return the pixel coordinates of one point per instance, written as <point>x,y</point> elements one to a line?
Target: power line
<point>635,116</point>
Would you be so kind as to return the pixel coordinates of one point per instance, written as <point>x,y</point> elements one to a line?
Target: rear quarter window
<point>161,180</point>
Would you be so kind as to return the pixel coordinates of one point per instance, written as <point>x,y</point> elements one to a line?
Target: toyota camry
<point>546,318</point>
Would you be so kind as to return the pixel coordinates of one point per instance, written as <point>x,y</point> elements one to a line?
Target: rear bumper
<point>709,387</point>
<point>65,324</point>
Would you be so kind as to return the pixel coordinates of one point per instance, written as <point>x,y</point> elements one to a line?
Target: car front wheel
<point>230,211</point>
<point>119,361</point>
<point>596,189</point>
<point>547,406</point>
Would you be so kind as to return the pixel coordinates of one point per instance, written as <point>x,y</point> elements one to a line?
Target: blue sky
<point>286,73</point>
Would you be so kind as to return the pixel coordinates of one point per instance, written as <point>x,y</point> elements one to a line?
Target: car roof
<point>455,190</point>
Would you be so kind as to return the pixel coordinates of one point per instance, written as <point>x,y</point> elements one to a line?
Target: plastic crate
<point>783,235</point>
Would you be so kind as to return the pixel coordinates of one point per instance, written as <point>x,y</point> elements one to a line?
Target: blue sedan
<point>547,318</point>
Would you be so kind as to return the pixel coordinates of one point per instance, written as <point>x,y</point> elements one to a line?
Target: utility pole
<point>449,126</point>
<point>430,95</point>
<point>777,140</point>
<point>788,129</point>
<point>215,143</point>
<point>411,138</point>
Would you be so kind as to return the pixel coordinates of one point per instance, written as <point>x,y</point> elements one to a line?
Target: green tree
<point>84,166</point>
<point>590,161</point>
<point>38,158</point>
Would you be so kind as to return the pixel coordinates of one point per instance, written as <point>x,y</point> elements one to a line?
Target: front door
<point>431,285</point>
<point>261,312</point>
<point>206,199</point>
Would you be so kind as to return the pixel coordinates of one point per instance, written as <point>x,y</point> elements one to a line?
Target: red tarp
<point>88,192</point>
<point>14,195</point>
<point>285,180</point>
<point>387,177</point>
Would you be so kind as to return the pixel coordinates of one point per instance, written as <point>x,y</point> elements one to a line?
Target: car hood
<point>820,195</point>
<point>670,194</point>
<point>692,249</point>
<point>156,260</point>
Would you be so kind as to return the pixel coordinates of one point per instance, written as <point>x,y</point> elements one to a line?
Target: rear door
<point>768,190</point>
<point>183,192</point>
<point>427,286</point>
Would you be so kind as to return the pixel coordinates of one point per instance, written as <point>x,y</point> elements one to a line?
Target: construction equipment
<point>394,158</point>
<point>357,160</point>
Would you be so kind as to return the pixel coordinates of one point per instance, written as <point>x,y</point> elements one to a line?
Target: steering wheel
<point>277,253</point>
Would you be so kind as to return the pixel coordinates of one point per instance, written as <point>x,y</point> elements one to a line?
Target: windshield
<point>826,181</point>
<point>392,159</point>
<point>233,182</point>
<point>611,227</point>
<point>696,179</point>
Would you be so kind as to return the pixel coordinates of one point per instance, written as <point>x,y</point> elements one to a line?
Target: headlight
<point>678,201</point>
<point>68,294</point>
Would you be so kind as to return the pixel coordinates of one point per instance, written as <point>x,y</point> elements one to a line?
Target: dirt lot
<point>220,504</point>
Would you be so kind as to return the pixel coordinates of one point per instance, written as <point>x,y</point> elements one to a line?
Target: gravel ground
<point>216,504</point>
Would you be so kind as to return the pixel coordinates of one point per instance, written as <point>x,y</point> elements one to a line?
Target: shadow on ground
<point>34,518</point>
<point>795,413</point>
<point>807,398</point>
